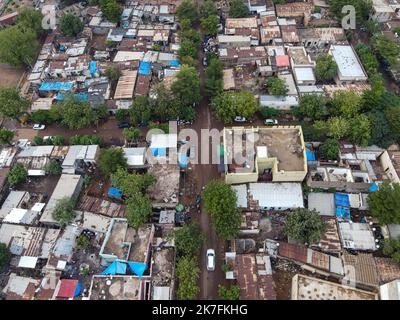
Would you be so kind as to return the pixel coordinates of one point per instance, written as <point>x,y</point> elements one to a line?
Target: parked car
<point>239,119</point>
<point>270,122</point>
<point>210,260</point>
<point>38,126</point>
<point>123,125</point>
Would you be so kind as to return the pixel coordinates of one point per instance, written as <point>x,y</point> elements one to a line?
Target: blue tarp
<point>114,268</point>
<point>342,199</point>
<point>174,63</point>
<point>137,268</point>
<point>183,160</point>
<point>144,68</point>
<point>373,187</point>
<point>158,152</point>
<point>114,192</point>
<point>82,96</point>
<point>77,290</point>
<point>56,86</point>
<point>93,67</point>
<point>310,155</point>
<point>343,213</point>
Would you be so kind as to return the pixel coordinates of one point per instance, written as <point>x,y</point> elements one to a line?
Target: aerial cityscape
<point>226,150</point>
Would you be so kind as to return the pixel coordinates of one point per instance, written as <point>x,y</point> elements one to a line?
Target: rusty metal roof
<point>364,267</point>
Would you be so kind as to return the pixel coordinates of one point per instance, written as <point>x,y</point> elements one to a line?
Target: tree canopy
<point>64,212</point>
<point>5,256</point>
<point>228,105</point>
<point>387,49</point>
<point>187,272</point>
<point>311,106</point>
<point>110,160</point>
<point>188,239</point>
<point>11,103</point>
<point>210,25</point>
<point>111,10</point>
<point>187,10</point>
<point>186,87</point>
<point>6,136</point>
<point>231,293</point>
<point>208,9</point>
<point>326,68</point>
<point>384,204</point>
<point>17,175</point>
<point>214,82</point>
<point>391,247</point>
<point>277,87</point>
<point>113,73</point>
<point>346,104</point>
<point>330,149</point>
<point>237,9</point>
<point>220,202</point>
<point>70,25</point>
<point>75,114</point>
<point>30,19</point>
<point>304,226</point>
<point>140,111</point>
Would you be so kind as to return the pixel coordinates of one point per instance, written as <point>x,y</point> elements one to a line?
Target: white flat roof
<point>16,215</point>
<point>135,156</point>
<point>277,195</point>
<point>27,262</point>
<point>357,236</point>
<point>347,61</point>
<point>241,193</point>
<point>304,74</point>
<point>128,56</point>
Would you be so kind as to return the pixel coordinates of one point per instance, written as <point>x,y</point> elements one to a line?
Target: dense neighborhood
<point>199,150</point>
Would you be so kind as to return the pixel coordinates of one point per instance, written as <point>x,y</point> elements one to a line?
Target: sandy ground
<point>9,76</point>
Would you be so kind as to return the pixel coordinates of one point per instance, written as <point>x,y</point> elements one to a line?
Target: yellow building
<point>258,154</point>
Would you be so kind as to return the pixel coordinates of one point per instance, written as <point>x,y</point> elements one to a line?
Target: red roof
<point>282,61</point>
<point>67,288</point>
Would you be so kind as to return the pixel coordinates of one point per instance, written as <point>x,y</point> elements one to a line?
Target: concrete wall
<point>388,167</point>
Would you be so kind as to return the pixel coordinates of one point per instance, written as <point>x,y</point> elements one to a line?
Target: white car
<point>270,122</point>
<point>210,260</point>
<point>38,126</point>
<point>239,119</point>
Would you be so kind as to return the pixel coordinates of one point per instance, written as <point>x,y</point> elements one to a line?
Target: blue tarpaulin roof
<point>82,96</point>
<point>93,67</point>
<point>114,268</point>
<point>310,155</point>
<point>343,213</point>
<point>56,86</point>
<point>373,187</point>
<point>144,68</point>
<point>114,192</point>
<point>342,199</point>
<point>174,63</point>
<point>137,268</point>
<point>77,289</point>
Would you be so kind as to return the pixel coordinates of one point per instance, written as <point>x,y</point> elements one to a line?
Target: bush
<point>17,175</point>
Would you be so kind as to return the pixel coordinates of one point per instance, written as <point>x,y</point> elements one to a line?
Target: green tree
<point>162,104</point>
<point>18,47</point>
<point>140,111</point>
<point>387,49</point>
<point>17,175</point>
<point>110,160</point>
<point>111,10</point>
<point>220,202</point>
<point>121,114</point>
<point>330,149</point>
<point>138,210</point>
<point>133,183</point>
<point>214,82</point>
<point>232,293</point>
<point>227,105</point>
<point>360,130</point>
<point>380,135</point>
<point>187,272</point>
<point>362,8</point>
<point>326,68</point>
<point>311,106</point>
<point>336,127</point>
<point>53,168</point>
<point>42,116</point>
<point>304,226</point>
<point>186,87</point>
<point>82,242</point>
<point>39,141</point>
<point>384,204</point>
<point>188,240</point>
<point>391,247</point>
<point>6,136</point>
<point>368,59</point>
<point>187,10</point>
<point>5,256</point>
<point>85,140</point>
<point>70,25</point>
<point>268,112</point>
<point>346,104</point>
<point>75,114</point>
<point>63,212</point>
<point>208,9</point>
<point>187,49</point>
<point>210,25</point>
<point>393,118</point>
<point>131,134</point>
<point>113,73</point>
<point>237,9</point>
<point>277,87</point>
<point>11,103</point>
<point>30,19</point>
